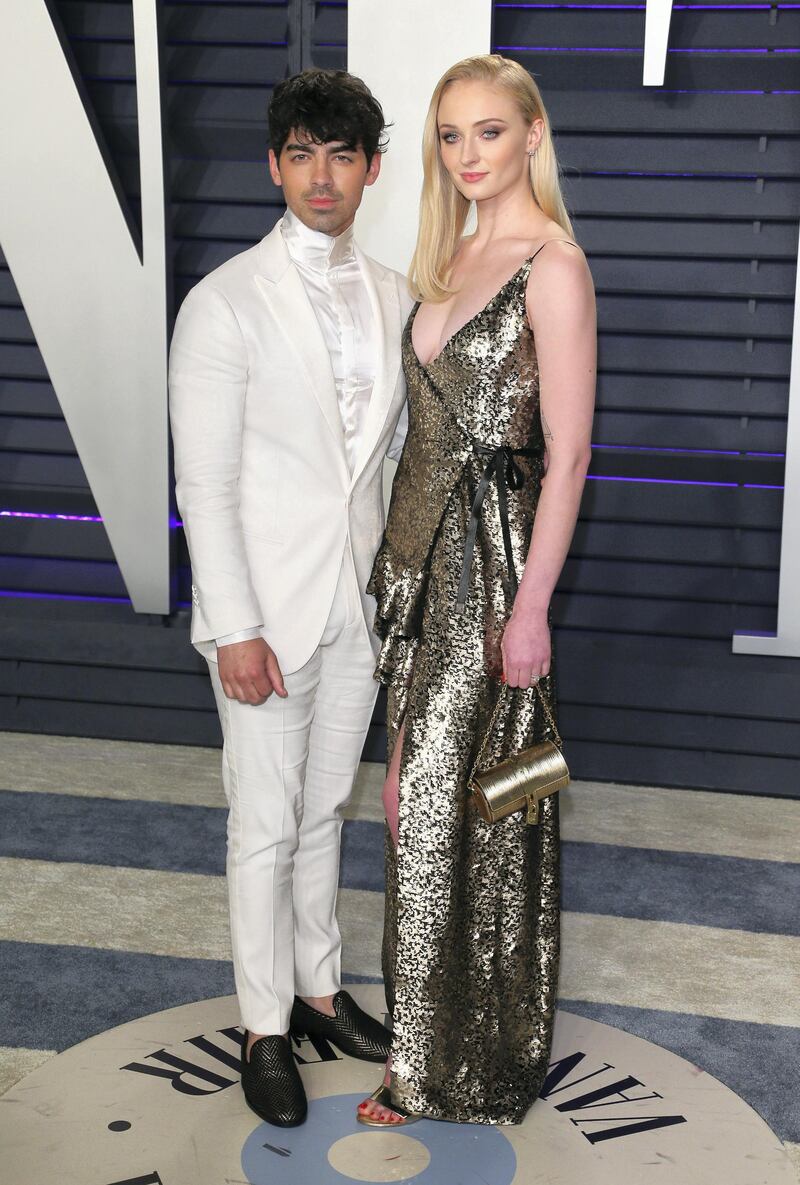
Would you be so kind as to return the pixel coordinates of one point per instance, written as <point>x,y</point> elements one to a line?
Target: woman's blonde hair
<point>443,210</point>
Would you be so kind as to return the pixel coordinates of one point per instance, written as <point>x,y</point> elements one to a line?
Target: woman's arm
<point>561,310</point>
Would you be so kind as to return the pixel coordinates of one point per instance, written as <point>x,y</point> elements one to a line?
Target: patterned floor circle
<point>157,1102</point>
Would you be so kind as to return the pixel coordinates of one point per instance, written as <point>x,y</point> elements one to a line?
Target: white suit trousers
<point>288,768</point>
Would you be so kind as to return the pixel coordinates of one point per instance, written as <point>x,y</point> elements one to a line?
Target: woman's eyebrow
<point>477,124</point>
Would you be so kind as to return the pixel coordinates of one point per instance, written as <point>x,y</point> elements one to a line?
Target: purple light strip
<point>688,91</point>
<point>42,596</point>
<point>714,452</point>
<point>669,481</point>
<point>675,7</point>
<point>637,49</point>
<point>646,173</point>
<point>64,518</point>
<point>664,481</point>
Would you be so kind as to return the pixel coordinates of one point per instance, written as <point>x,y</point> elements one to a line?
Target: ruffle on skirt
<point>400,597</point>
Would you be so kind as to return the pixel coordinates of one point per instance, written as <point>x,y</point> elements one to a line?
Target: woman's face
<point>484,140</point>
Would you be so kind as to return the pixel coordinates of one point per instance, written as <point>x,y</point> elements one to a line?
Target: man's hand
<point>249,671</point>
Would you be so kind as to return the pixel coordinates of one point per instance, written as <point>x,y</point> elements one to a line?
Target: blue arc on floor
<point>460,1154</point>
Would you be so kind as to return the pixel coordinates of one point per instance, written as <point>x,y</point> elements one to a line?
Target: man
<point>286,394</point>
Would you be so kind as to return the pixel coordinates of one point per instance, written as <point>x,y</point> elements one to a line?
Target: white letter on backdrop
<point>98,311</point>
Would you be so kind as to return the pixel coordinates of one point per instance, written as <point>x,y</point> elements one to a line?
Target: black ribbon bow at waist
<point>504,470</point>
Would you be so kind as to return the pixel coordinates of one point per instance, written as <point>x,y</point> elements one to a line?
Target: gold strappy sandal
<point>383,1096</point>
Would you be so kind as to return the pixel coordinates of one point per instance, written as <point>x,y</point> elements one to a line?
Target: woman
<point>500,362</point>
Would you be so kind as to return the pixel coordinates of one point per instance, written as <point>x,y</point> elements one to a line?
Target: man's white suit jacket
<point>262,481</point>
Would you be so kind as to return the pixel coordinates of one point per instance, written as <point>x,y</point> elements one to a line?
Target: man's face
<point>323,183</point>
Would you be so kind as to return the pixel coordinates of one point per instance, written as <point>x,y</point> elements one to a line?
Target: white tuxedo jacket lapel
<point>381,288</point>
<point>281,286</point>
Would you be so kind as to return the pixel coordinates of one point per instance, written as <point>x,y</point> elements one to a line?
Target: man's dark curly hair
<point>327,105</point>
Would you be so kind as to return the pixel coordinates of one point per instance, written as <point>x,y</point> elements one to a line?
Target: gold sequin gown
<point>471,939</point>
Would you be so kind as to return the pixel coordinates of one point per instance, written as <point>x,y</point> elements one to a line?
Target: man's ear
<point>374,169</point>
<point>274,171</point>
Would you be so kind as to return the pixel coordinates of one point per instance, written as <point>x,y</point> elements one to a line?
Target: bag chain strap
<point>500,700</point>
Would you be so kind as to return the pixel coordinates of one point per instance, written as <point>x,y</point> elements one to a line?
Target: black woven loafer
<point>271,1082</point>
<point>352,1030</point>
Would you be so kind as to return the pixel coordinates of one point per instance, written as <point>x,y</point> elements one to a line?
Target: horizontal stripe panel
<point>604,959</point>
<point>693,769</point>
<point>106,685</point>
<point>701,154</point>
<point>649,817</point>
<point>671,197</point>
<point>620,111</point>
<point>126,722</point>
<point>623,26</point>
<point>669,581</point>
<point>628,235</point>
<point>123,984</point>
<point>112,832</point>
<point>671,429</point>
<point>662,276</point>
<point>160,913</point>
<point>621,614</point>
<point>720,395</point>
<point>62,575</point>
<point>647,322</point>
<point>218,22</point>
<point>683,731</point>
<point>179,774</point>
<point>662,541</point>
<point>680,549</point>
<point>623,111</point>
<point>209,64</point>
<point>758,1062</point>
<point>676,968</point>
<point>643,883</point>
<point>55,539</point>
<point>703,890</point>
<point>622,881</point>
<point>126,909</point>
<point>590,69</point>
<point>591,812</point>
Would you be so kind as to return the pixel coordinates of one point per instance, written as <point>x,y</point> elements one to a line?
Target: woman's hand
<point>526,648</point>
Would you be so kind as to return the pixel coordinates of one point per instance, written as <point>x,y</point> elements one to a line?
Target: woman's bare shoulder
<point>560,279</point>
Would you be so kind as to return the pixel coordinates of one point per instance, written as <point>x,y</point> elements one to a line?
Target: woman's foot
<point>378,1110</point>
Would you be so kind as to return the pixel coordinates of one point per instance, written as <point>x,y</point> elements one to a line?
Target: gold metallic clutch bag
<point>522,781</point>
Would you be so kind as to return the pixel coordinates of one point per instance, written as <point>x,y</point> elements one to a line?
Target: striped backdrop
<point>680,918</point>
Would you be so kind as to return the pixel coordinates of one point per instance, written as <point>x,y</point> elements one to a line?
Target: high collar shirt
<point>331,276</point>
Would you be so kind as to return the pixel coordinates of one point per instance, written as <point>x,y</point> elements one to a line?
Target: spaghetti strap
<point>544,244</point>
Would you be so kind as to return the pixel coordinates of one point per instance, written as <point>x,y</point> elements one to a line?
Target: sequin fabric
<point>471,939</point>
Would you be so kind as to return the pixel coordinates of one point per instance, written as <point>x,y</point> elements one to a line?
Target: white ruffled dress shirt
<point>334,284</point>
